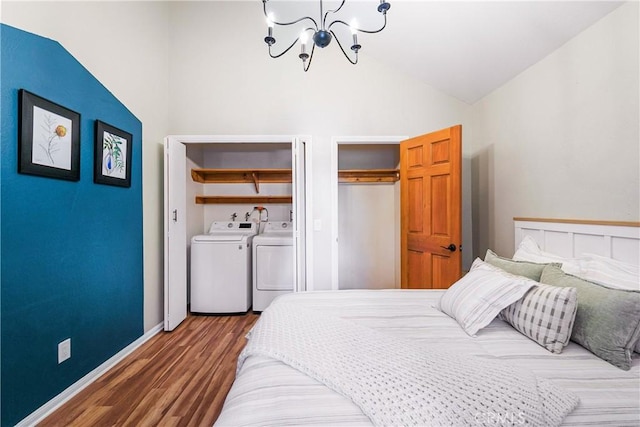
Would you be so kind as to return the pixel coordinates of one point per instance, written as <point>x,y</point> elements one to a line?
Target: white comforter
<point>396,381</point>
<point>269,392</point>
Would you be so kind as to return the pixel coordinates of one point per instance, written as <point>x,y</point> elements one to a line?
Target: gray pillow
<point>530,270</point>
<point>607,320</point>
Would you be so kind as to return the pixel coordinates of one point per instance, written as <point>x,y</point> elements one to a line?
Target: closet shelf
<point>202,200</point>
<point>368,176</point>
<point>239,176</point>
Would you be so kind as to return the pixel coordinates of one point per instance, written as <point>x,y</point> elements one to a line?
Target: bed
<point>268,391</point>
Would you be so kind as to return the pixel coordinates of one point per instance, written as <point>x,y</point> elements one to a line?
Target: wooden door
<point>430,209</point>
<point>175,234</point>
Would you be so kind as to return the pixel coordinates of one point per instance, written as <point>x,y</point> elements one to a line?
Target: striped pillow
<point>477,298</point>
<point>545,314</point>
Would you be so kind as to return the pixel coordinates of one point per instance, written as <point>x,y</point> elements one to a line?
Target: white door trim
<point>308,199</point>
<point>305,141</point>
<point>232,139</point>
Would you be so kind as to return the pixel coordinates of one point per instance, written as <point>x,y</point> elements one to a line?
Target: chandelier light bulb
<point>355,47</point>
<point>303,49</point>
<point>270,22</point>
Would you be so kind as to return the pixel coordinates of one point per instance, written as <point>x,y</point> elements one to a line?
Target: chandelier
<point>321,32</point>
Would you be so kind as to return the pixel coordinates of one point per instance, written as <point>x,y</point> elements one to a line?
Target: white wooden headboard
<point>572,238</point>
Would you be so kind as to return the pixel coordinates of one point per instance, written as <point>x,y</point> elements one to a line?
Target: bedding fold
<point>395,381</point>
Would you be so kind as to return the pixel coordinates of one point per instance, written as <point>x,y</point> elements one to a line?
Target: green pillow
<point>530,270</point>
<point>607,320</point>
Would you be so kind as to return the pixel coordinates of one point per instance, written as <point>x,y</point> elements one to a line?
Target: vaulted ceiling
<point>466,49</point>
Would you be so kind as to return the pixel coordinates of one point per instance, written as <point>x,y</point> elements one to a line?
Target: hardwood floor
<point>178,378</point>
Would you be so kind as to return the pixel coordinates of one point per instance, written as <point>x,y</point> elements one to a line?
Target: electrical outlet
<point>64,350</point>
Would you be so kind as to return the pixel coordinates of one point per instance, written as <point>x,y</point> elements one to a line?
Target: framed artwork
<point>48,138</point>
<point>112,156</point>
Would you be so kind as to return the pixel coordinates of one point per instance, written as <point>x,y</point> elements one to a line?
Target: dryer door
<point>274,268</point>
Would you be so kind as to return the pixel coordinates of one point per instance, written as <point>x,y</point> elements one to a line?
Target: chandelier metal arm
<point>266,15</point>
<point>324,18</point>
<point>344,52</point>
<point>285,51</point>
<point>361,30</point>
<point>306,66</point>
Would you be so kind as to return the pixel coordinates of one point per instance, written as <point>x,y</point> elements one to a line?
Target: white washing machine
<point>272,263</point>
<point>221,268</point>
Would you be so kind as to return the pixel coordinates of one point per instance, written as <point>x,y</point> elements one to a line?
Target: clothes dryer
<point>221,268</point>
<point>272,263</point>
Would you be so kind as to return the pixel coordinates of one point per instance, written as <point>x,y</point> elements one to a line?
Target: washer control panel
<point>272,226</point>
<point>234,226</point>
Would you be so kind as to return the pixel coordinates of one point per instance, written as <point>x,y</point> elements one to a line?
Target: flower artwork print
<point>48,138</point>
<point>51,139</point>
<point>112,155</point>
<point>114,162</point>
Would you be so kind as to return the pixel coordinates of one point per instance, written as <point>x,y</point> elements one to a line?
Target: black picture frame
<point>48,138</point>
<point>112,155</point>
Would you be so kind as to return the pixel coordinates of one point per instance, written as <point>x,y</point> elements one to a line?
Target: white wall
<point>223,82</point>
<point>125,46</point>
<point>369,235</point>
<point>561,140</point>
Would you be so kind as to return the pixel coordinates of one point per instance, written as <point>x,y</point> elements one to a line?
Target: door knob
<point>451,247</point>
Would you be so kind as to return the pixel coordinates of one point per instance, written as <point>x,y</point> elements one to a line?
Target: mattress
<point>268,392</point>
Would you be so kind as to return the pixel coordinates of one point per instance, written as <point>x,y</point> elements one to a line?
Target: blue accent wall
<point>71,252</point>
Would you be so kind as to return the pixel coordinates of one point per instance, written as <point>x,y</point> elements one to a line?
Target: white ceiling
<point>467,49</point>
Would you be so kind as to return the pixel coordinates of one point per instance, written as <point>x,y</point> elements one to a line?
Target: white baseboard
<point>45,410</point>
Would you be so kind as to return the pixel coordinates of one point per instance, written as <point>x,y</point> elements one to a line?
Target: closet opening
<point>217,190</point>
<point>366,225</point>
